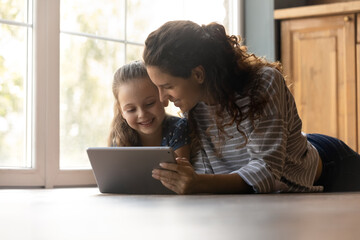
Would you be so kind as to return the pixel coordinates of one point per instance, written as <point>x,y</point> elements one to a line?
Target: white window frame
<point>47,25</point>
<point>48,19</point>
<point>33,176</point>
<point>46,97</point>
<point>46,152</point>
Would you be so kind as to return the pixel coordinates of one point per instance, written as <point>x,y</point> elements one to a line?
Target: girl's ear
<point>198,73</point>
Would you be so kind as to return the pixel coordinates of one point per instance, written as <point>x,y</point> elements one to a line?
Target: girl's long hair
<point>231,72</point>
<point>121,134</point>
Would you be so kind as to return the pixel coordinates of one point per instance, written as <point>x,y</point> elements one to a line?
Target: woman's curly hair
<point>231,72</point>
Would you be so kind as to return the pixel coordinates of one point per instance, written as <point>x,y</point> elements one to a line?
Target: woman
<point>245,129</point>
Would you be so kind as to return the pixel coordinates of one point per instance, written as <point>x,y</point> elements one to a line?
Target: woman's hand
<point>180,178</point>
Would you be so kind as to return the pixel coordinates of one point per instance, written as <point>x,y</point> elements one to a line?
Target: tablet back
<point>128,170</point>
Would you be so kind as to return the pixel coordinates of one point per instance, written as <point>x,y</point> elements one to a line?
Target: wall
<point>260,30</point>
<point>259,27</point>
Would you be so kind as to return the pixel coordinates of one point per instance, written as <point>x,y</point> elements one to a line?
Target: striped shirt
<point>277,156</point>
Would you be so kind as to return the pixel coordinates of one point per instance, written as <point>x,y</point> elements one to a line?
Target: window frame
<point>47,18</point>
<point>28,176</point>
<point>45,153</point>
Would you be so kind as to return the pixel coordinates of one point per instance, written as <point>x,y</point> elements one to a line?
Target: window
<point>16,91</point>
<point>56,72</point>
<point>15,80</point>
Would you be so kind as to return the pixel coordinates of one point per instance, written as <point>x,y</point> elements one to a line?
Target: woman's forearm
<point>221,183</point>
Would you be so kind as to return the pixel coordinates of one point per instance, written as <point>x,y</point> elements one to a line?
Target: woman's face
<point>185,93</point>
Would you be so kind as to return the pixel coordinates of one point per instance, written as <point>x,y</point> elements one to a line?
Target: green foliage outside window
<point>12,79</point>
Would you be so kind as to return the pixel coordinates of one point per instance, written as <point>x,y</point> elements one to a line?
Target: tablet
<point>128,170</point>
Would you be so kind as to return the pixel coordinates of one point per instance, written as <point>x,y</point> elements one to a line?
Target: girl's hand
<point>180,178</point>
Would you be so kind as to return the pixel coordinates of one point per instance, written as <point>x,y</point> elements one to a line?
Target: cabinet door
<point>318,56</point>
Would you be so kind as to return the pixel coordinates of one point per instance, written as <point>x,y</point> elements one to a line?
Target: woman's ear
<point>198,73</point>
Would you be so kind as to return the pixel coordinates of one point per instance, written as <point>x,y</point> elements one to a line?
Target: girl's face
<point>141,107</point>
<point>185,93</point>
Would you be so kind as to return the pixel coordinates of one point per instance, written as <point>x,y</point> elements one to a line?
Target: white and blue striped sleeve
<point>267,142</point>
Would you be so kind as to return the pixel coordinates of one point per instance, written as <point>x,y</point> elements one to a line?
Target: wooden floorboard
<point>85,213</point>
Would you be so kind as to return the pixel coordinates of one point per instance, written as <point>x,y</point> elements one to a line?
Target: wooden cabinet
<point>318,52</point>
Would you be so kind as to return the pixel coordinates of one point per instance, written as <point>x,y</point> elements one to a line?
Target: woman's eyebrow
<point>150,97</point>
<point>164,85</point>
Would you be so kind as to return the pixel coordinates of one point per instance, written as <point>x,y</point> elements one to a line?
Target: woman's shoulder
<point>270,78</point>
<point>267,72</point>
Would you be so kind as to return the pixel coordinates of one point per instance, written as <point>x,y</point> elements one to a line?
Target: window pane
<point>104,18</point>
<point>14,10</point>
<point>86,100</point>
<point>13,95</point>
<point>143,17</point>
<point>212,11</point>
<point>134,52</point>
<point>88,65</point>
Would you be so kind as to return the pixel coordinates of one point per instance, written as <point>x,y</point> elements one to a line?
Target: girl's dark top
<point>175,132</point>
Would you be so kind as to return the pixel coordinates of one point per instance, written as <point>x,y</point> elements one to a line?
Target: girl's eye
<point>130,110</point>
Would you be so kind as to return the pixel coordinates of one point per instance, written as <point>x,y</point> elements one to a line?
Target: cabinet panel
<point>316,99</point>
<point>318,55</point>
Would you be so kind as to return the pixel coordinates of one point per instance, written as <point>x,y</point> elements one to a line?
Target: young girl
<point>139,116</point>
<point>243,119</point>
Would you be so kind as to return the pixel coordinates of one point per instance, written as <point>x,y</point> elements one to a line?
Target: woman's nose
<point>163,96</point>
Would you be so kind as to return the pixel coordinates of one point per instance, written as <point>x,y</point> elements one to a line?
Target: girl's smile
<point>147,123</point>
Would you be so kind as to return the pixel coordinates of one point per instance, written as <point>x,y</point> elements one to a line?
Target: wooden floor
<point>84,213</point>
